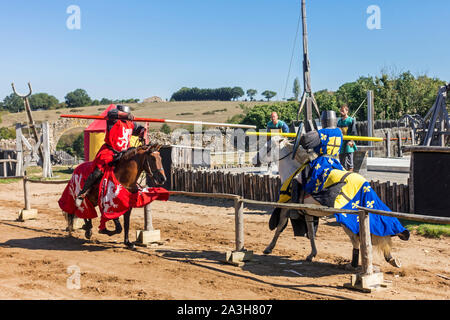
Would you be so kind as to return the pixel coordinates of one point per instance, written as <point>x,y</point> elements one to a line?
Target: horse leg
<point>126,224</point>
<point>310,224</point>
<point>118,226</point>
<point>355,243</point>
<point>280,227</point>
<point>70,218</point>
<point>88,228</point>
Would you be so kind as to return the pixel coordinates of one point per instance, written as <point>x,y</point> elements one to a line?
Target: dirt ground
<point>39,261</point>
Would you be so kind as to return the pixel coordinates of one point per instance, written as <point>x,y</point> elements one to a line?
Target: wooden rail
<point>310,209</point>
<point>266,188</point>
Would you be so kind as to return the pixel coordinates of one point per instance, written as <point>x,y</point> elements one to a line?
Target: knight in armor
<point>326,143</point>
<point>119,129</point>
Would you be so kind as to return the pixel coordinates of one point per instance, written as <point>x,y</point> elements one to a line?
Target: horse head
<point>153,163</point>
<point>279,148</point>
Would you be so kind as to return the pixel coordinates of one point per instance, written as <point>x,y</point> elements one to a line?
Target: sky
<point>138,49</point>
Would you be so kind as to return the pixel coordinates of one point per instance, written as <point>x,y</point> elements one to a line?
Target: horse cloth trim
<point>286,188</point>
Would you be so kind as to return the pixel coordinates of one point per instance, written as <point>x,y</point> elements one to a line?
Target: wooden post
<point>149,234</point>
<point>148,223</point>
<point>388,144</point>
<point>26,213</point>
<point>239,223</point>
<point>367,280</point>
<point>25,194</point>
<point>240,255</point>
<point>366,243</point>
<point>400,143</point>
<point>370,118</point>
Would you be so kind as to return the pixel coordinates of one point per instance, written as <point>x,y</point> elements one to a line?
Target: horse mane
<point>130,153</point>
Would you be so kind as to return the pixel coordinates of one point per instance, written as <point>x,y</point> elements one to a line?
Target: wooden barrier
<point>365,281</point>
<point>266,188</point>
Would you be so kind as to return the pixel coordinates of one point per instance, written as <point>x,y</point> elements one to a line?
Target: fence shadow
<point>263,265</point>
<point>58,243</point>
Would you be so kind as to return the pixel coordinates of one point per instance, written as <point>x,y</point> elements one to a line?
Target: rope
<point>292,55</point>
<point>353,115</point>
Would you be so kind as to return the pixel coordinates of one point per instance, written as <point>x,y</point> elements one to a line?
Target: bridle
<point>148,169</point>
<point>283,157</point>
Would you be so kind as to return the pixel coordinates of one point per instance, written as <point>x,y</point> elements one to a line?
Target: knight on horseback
<point>326,143</point>
<point>119,129</point>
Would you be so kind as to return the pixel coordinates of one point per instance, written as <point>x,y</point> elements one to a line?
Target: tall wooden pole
<point>308,101</point>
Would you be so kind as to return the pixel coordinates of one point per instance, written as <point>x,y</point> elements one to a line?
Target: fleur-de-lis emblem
<point>369,204</point>
<point>355,204</point>
<point>330,160</point>
<point>366,188</point>
<point>323,137</point>
<point>344,214</point>
<point>317,167</point>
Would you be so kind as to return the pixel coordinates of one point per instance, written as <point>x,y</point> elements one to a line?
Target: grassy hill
<point>211,111</point>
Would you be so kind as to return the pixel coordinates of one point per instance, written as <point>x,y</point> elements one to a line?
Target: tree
<point>13,103</point>
<point>77,98</point>
<point>251,93</point>
<point>269,94</point>
<point>165,128</point>
<point>296,89</point>
<point>237,92</point>
<point>105,101</point>
<point>43,101</point>
<point>7,133</point>
<point>326,100</point>
<point>260,114</point>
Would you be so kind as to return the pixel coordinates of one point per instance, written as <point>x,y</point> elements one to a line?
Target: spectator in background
<point>347,125</point>
<point>275,124</point>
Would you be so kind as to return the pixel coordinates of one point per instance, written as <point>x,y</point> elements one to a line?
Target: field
<point>36,254</point>
<point>212,111</point>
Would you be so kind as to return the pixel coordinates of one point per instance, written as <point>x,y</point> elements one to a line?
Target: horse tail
<point>382,244</point>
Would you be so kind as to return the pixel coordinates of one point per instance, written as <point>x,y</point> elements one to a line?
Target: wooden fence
<point>266,188</point>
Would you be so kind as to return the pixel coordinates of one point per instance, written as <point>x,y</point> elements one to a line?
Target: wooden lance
<point>216,124</point>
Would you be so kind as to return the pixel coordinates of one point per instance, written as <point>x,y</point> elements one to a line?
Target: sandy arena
<point>36,254</point>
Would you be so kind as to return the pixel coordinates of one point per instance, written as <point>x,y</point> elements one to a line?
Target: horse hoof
<point>88,234</point>
<point>395,262</point>
<point>310,258</point>
<point>118,230</point>
<point>105,231</point>
<point>130,245</point>
<point>267,251</point>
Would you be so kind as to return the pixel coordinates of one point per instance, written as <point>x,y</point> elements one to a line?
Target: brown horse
<point>128,168</point>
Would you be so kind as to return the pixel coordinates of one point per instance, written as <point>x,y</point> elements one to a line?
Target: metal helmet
<point>328,119</point>
<point>123,108</point>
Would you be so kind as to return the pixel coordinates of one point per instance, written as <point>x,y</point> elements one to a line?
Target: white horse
<point>280,150</point>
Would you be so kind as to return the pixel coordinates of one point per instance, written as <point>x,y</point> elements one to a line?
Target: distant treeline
<point>394,96</point>
<point>44,101</point>
<point>196,94</point>
<point>219,94</point>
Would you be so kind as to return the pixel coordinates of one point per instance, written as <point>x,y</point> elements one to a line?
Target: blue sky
<point>138,49</point>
